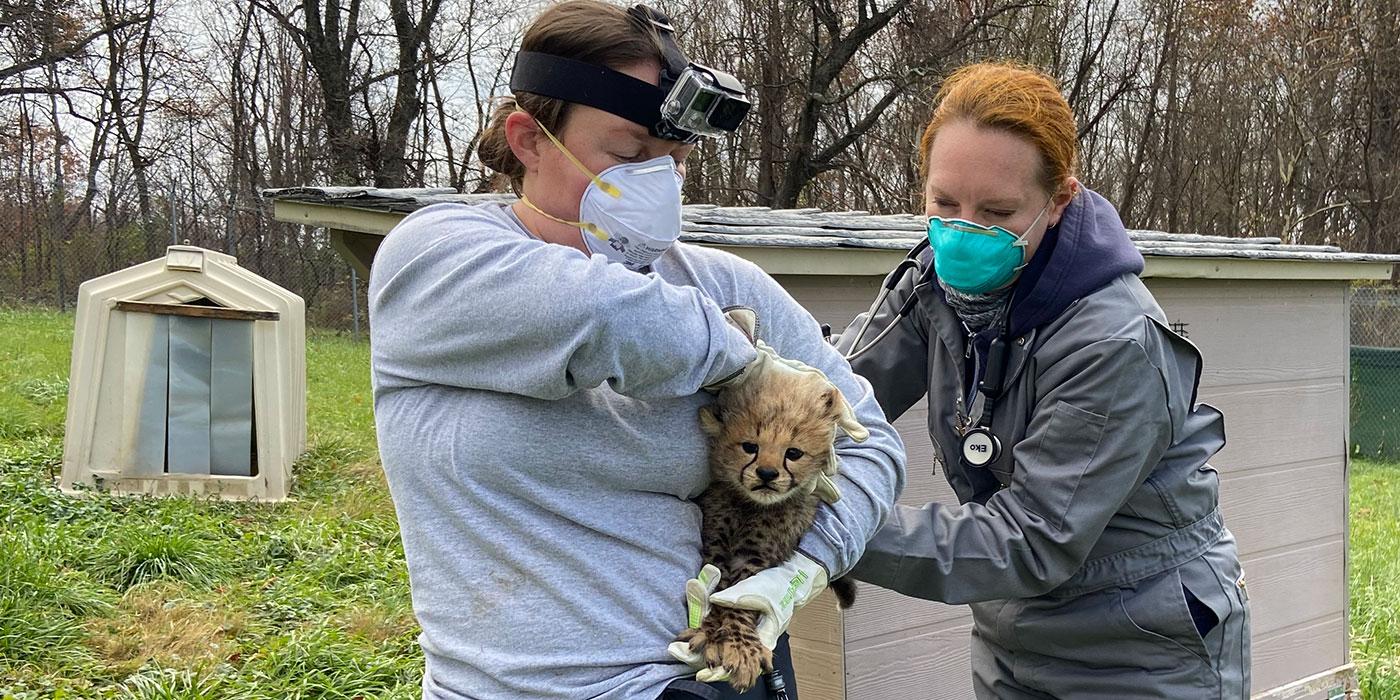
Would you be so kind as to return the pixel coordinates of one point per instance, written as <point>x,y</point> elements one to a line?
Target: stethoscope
<point>892,280</point>
<point>979,445</point>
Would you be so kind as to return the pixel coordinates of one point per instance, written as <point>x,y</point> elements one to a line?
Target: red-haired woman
<point>1088,540</point>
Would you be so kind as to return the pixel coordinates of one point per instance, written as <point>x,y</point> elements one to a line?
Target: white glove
<point>697,595</point>
<point>845,416</point>
<point>745,320</point>
<point>775,593</point>
<point>697,603</point>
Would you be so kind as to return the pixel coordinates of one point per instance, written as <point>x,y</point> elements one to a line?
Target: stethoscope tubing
<point>990,393</point>
<point>892,280</point>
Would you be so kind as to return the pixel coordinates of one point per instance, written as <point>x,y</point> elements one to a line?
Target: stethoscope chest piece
<point>980,447</point>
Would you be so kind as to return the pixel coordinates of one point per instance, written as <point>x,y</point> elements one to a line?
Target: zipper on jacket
<point>964,402</point>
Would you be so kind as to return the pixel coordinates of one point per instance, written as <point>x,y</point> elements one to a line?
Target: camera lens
<point>728,114</point>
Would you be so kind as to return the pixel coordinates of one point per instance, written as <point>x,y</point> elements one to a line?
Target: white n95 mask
<point>630,213</point>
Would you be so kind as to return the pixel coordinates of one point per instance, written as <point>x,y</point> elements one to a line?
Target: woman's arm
<point>458,298</point>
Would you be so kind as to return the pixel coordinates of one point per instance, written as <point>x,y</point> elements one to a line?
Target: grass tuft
<point>42,604</point>
<point>142,554</point>
<point>170,684</point>
<point>44,391</point>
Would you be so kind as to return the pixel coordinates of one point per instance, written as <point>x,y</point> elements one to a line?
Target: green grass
<point>141,598</point>
<point>1375,577</point>
<point>135,598</point>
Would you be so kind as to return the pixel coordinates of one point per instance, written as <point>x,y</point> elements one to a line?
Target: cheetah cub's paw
<point>741,654</point>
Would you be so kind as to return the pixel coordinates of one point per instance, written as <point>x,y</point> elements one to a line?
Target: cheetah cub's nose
<point>767,474</point>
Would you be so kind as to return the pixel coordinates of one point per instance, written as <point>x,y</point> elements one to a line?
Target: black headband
<point>674,60</point>
<point>588,84</point>
<point>604,88</point>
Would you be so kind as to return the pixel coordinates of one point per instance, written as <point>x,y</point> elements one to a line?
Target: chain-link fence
<point>1375,371</point>
<point>46,251</point>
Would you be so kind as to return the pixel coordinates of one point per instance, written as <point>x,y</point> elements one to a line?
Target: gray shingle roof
<point>815,228</point>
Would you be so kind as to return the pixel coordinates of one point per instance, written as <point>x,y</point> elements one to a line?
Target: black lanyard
<point>979,445</point>
<point>993,383</point>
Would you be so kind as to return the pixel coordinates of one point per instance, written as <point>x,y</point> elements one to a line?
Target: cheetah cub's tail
<point>845,590</point>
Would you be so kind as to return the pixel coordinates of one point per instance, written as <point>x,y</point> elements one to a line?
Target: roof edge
<point>862,261</point>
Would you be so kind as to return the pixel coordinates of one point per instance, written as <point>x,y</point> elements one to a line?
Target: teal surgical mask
<point>975,259</point>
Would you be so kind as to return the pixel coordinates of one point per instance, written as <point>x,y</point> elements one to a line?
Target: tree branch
<point>68,52</point>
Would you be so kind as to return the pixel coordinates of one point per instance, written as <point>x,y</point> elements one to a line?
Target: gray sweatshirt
<point>536,412</point>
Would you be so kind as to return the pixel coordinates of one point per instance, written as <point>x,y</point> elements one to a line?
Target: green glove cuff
<point>697,594</point>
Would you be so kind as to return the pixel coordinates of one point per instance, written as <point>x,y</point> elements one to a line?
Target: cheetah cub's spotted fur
<point>769,440</point>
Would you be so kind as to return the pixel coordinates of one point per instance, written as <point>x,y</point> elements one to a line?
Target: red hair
<point>1016,98</point>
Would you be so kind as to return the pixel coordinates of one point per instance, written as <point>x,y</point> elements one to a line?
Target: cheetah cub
<point>768,442</point>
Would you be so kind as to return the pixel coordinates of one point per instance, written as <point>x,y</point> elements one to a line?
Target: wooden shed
<point>1272,321</point>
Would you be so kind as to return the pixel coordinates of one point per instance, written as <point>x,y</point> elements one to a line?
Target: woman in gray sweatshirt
<point>537,372</point>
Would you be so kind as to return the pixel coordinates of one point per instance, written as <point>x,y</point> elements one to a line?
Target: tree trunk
<point>411,36</point>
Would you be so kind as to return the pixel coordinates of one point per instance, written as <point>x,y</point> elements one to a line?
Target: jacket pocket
<point>1063,452</point>
<point>1180,609</point>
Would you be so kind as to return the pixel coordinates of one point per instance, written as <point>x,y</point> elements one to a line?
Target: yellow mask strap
<point>607,187</point>
<point>584,225</point>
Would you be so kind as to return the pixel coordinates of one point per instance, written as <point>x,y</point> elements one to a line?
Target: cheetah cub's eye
<point>749,447</point>
<point>793,454</point>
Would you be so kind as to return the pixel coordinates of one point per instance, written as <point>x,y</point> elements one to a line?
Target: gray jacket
<point>1103,476</point>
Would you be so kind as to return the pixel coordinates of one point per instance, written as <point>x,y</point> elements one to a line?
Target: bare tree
<point>35,37</point>
<point>337,48</point>
<point>1200,116</point>
<point>833,47</point>
<point>129,82</point>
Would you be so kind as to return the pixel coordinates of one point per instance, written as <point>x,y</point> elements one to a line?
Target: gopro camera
<point>705,102</point>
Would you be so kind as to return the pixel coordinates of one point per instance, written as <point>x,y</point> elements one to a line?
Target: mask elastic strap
<point>1021,243</point>
<point>607,187</point>
<point>1043,209</point>
<point>1021,239</point>
<point>583,225</point>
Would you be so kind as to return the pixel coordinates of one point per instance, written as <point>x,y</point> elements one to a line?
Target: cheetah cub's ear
<point>711,419</point>
<point>833,398</point>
